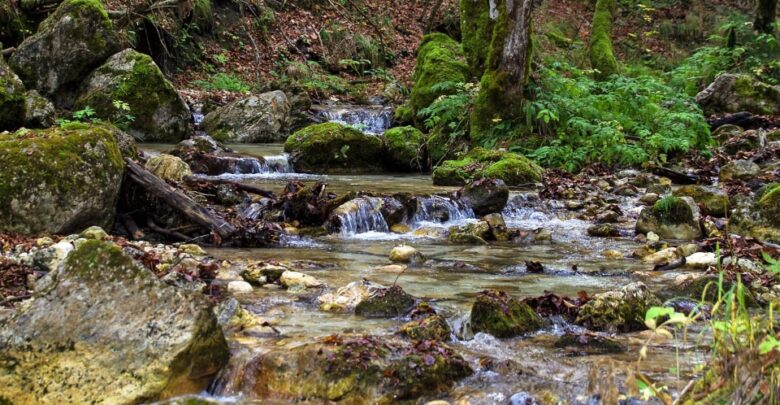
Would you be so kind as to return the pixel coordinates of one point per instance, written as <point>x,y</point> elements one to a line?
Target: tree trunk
<point>766,13</point>
<point>602,56</point>
<point>507,68</point>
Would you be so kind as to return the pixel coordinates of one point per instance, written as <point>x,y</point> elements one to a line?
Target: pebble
<point>406,254</point>
<point>701,260</point>
<point>239,287</point>
<point>652,237</point>
<point>294,279</point>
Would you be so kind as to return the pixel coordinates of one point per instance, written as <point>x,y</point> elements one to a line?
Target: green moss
<point>403,114</point>
<point>332,148</point>
<point>439,60</point>
<point>672,210</point>
<point>602,56</point>
<point>388,303</point>
<point>769,205</point>
<point>91,260</point>
<point>756,96</point>
<point>404,149</point>
<point>514,169</point>
<point>476,29</point>
<point>81,10</point>
<point>502,316</point>
<point>432,327</point>
<point>712,201</point>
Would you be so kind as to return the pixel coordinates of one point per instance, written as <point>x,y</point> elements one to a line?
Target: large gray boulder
<point>104,330</point>
<point>11,98</point>
<point>71,42</point>
<point>59,180</point>
<point>731,93</point>
<point>161,115</point>
<point>671,218</point>
<point>259,118</point>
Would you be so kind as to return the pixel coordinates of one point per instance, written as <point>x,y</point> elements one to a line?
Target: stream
<point>450,279</point>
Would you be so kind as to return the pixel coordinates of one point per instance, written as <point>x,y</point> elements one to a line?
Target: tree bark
<point>766,14</point>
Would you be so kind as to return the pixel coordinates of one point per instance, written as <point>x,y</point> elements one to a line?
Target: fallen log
<point>192,180</point>
<point>676,176</point>
<point>179,201</point>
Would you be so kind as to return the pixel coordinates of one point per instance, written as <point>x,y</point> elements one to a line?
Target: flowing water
<point>450,279</point>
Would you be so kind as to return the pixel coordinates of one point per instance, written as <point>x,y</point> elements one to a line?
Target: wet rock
<point>346,298</point>
<point>758,216</point>
<point>386,303</point>
<point>603,230</point>
<point>671,218</point>
<point>358,369</point>
<point>94,232</point>
<point>239,287</point>
<point>711,200</point>
<point>406,254</point>
<point>649,198</point>
<point>523,398</point>
<point>168,167</point>
<point>393,211</point>
<point>429,327</point>
<point>739,170</point>
<point>104,329</point>
<point>747,141</point>
<point>12,98</point>
<point>701,260</point>
<point>588,344</point>
<point>618,311</point>
<point>59,180</point>
<point>400,228</point>
<point>334,148</point>
<point>38,111</point>
<point>161,115</point>
<point>660,189</point>
<point>232,316</point>
<point>405,150</point>
<point>486,196</point>
<point>430,232</point>
<point>474,233</point>
<point>256,119</point>
<point>73,40</point>
<point>663,256</point>
<point>294,280</point>
<point>732,93</point>
<point>183,282</point>
<point>191,249</point>
<point>687,249</point>
<point>514,169</point>
<point>607,217</point>
<point>497,313</point>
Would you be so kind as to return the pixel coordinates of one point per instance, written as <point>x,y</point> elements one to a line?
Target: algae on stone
<point>514,169</point>
<point>404,149</point>
<point>334,148</point>
<point>439,60</point>
<point>497,313</point>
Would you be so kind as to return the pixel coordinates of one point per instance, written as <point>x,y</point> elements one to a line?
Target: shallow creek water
<point>450,280</point>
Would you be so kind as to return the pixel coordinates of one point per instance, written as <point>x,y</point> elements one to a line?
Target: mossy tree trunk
<point>507,68</point>
<point>766,12</point>
<point>476,27</point>
<point>602,56</point>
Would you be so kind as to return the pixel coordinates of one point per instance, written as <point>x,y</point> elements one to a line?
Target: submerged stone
<point>497,313</point>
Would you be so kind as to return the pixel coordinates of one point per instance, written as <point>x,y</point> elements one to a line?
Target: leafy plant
<point>123,116</point>
<point>85,115</point>
<point>224,82</point>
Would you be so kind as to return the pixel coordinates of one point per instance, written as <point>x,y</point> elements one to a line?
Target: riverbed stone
<point>258,118</point>
<point>103,329</point>
<point>161,115</point>
<point>430,326</point>
<point>334,148</point>
<point>293,280</point>
<point>486,196</point>
<point>603,230</point>
<point>588,344</point>
<point>357,369</point>
<point>346,298</point>
<point>239,287</point>
<point>386,303</point>
<point>671,218</point>
<point>59,180</point>
<point>473,233</point>
<point>618,311</point>
<point>662,256</point>
<point>405,149</point>
<point>701,260</point>
<point>406,254</point>
<point>501,315</point>
<point>739,170</point>
<point>712,201</point>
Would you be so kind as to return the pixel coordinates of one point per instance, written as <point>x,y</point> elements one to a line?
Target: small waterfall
<point>372,120</point>
<point>440,209</point>
<point>527,209</point>
<point>361,215</point>
<point>279,163</point>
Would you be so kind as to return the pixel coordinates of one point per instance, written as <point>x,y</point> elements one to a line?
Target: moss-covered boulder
<point>712,201</point>
<point>732,93</point>
<point>103,329</point>
<point>71,42</point>
<point>404,149</point>
<point>334,148</point>
<point>618,311</point>
<point>259,118</point>
<point>514,169</point>
<point>58,180</point>
<point>439,60</point>
<point>769,204</point>
<point>386,303</point>
<point>497,313</point>
<point>474,233</point>
<point>161,115</point>
<point>357,369</point>
<point>12,98</point>
<point>602,56</point>
<point>739,170</point>
<point>671,218</point>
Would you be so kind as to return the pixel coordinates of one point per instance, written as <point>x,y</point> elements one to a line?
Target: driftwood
<point>742,119</point>
<point>192,180</point>
<point>676,176</point>
<point>179,201</point>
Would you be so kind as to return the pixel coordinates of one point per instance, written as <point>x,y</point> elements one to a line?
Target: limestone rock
<point>38,111</point>
<point>671,218</point>
<point>168,167</point>
<point>406,254</point>
<point>739,170</point>
<point>618,311</point>
<point>486,196</point>
<point>713,201</point>
<point>255,119</point>
<point>385,303</point>
<point>296,280</point>
<point>346,298</point>
<point>731,93</point>
<point>12,98</point>
<point>497,313</point>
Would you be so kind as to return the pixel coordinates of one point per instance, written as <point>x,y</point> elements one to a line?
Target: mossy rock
<point>431,327</point>
<point>403,115</point>
<point>757,217</point>
<point>72,41</point>
<point>514,169</point>
<point>712,201</point>
<point>334,148</point>
<point>497,313</point>
<point>91,320</point>
<point>439,59</point>
<point>602,56</point>
<point>769,205</point>
<point>671,218</point>
<point>59,180</point>
<point>12,98</point>
<point>475,233</point>
<point>589,344</point>
<point>38,111</point>
<point>386,303</point>
<point>404,149</point>
<point>133,78</point>
<point>441,146</point>
<point>618,311</point>
<point>732,93</point>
